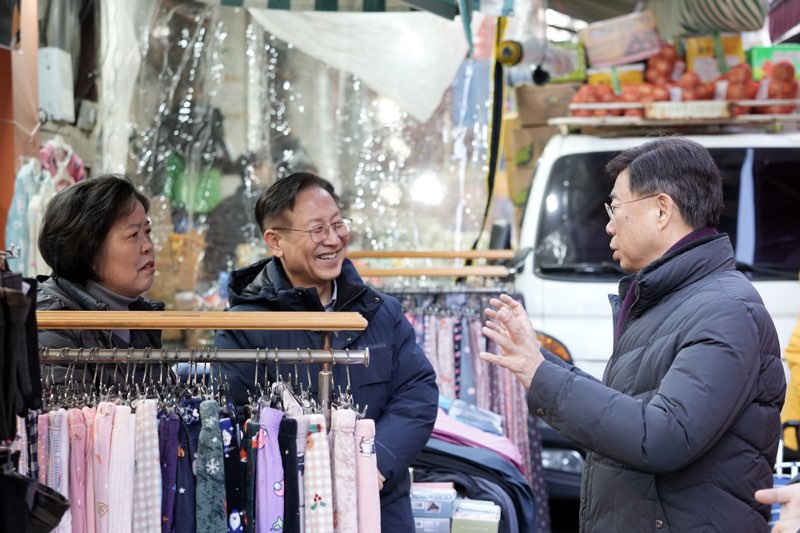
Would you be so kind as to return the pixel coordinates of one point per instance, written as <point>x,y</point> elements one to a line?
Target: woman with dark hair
<point>96,239</point>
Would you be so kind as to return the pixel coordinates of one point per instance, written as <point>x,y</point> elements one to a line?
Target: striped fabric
<point>445,8</point>
<point>707,16</point>
<point>669,19</point>
<point>318,5</point>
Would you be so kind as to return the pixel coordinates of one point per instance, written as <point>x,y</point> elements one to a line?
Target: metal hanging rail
<point>204,355</point>
<point>430,254</point>
<point>490,271</point>
<point>250,320</point>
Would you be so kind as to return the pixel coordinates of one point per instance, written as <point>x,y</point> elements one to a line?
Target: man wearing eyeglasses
<point>307,237</point>
<point>684,427</point>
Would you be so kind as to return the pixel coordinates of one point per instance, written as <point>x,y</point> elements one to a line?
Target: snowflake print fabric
<point>210,487</point>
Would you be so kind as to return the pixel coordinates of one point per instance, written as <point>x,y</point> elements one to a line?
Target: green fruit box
<point>762,58</point>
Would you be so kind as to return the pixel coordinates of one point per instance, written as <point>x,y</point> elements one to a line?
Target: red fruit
<point>660,93</point>
<point>783,70</point>
<point>689,79</point>
<point>706,91</point>
<point>668,51</point>
<point>739,73</point>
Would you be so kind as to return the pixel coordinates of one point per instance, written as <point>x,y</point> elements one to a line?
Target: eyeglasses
<point>318,234</point>
<point>612,209</point>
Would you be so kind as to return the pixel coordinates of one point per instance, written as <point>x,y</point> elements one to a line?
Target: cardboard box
<point>523,148</point>
<point>626,74</point>
<point>701,55</point>
<point>536,105</point>
<point>527,144</point>
<point>432,503</point>
<point>761,58</point>
<point>431,525</point>
<point>621,40</point>
<point>475,516</point>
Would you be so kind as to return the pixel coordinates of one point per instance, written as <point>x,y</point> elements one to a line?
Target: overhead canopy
<point>444,8</point>
<point>592,10</point>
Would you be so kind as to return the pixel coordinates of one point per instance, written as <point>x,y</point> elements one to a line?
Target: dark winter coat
<point>687,427</point>
<point>398,386</point>
<point>63,295</point>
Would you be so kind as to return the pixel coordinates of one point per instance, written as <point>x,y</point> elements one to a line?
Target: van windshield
<point>761,192</point>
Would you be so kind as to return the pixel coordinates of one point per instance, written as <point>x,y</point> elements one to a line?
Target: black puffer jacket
<point>686,427</point>
<point>63,295</point>
<point>398,386</point>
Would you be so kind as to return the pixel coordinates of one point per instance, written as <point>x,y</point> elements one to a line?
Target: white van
<point>567,277</point>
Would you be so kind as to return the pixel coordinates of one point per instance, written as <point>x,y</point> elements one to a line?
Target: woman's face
<point>126,260</point>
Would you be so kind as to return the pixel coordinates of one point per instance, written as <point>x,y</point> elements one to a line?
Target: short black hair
<point>78,219</point>
<point>681,168</point>
<point>281,196</point>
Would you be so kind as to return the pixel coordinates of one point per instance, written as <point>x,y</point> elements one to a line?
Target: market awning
<point>784,21</point>
<point>444,8</point>
<point>593,10</point>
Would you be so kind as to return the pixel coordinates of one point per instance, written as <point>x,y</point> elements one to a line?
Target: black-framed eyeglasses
<point>318,234</point>
<point>612,209</point>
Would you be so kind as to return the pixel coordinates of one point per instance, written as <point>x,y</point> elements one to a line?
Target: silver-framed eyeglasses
<point>318,234</point>
<point>612,209</point>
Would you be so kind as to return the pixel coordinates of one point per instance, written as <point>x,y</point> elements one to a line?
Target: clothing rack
<point>453,289</point>
<point>288,320</point>
<point>204,355</point>
<point>498,254</point>
<point>251,320</point>
<point>489,271</point>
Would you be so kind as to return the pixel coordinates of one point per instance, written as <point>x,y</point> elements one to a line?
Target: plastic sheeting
<point>205,108</point>
<point>411,58</point>
<point>119,57</point>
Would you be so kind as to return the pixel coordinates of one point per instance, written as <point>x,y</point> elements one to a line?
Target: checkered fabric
<point>33,444</point>
<point>318,483</point>
<point>147,476</point>
<point>54,450</point>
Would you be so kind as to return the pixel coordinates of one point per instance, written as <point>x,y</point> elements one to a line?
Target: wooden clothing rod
<point>486,271</point>
<point>205,355</point>
<point>286,320</point>
<point>466,290</point>
<point>433,254</point>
